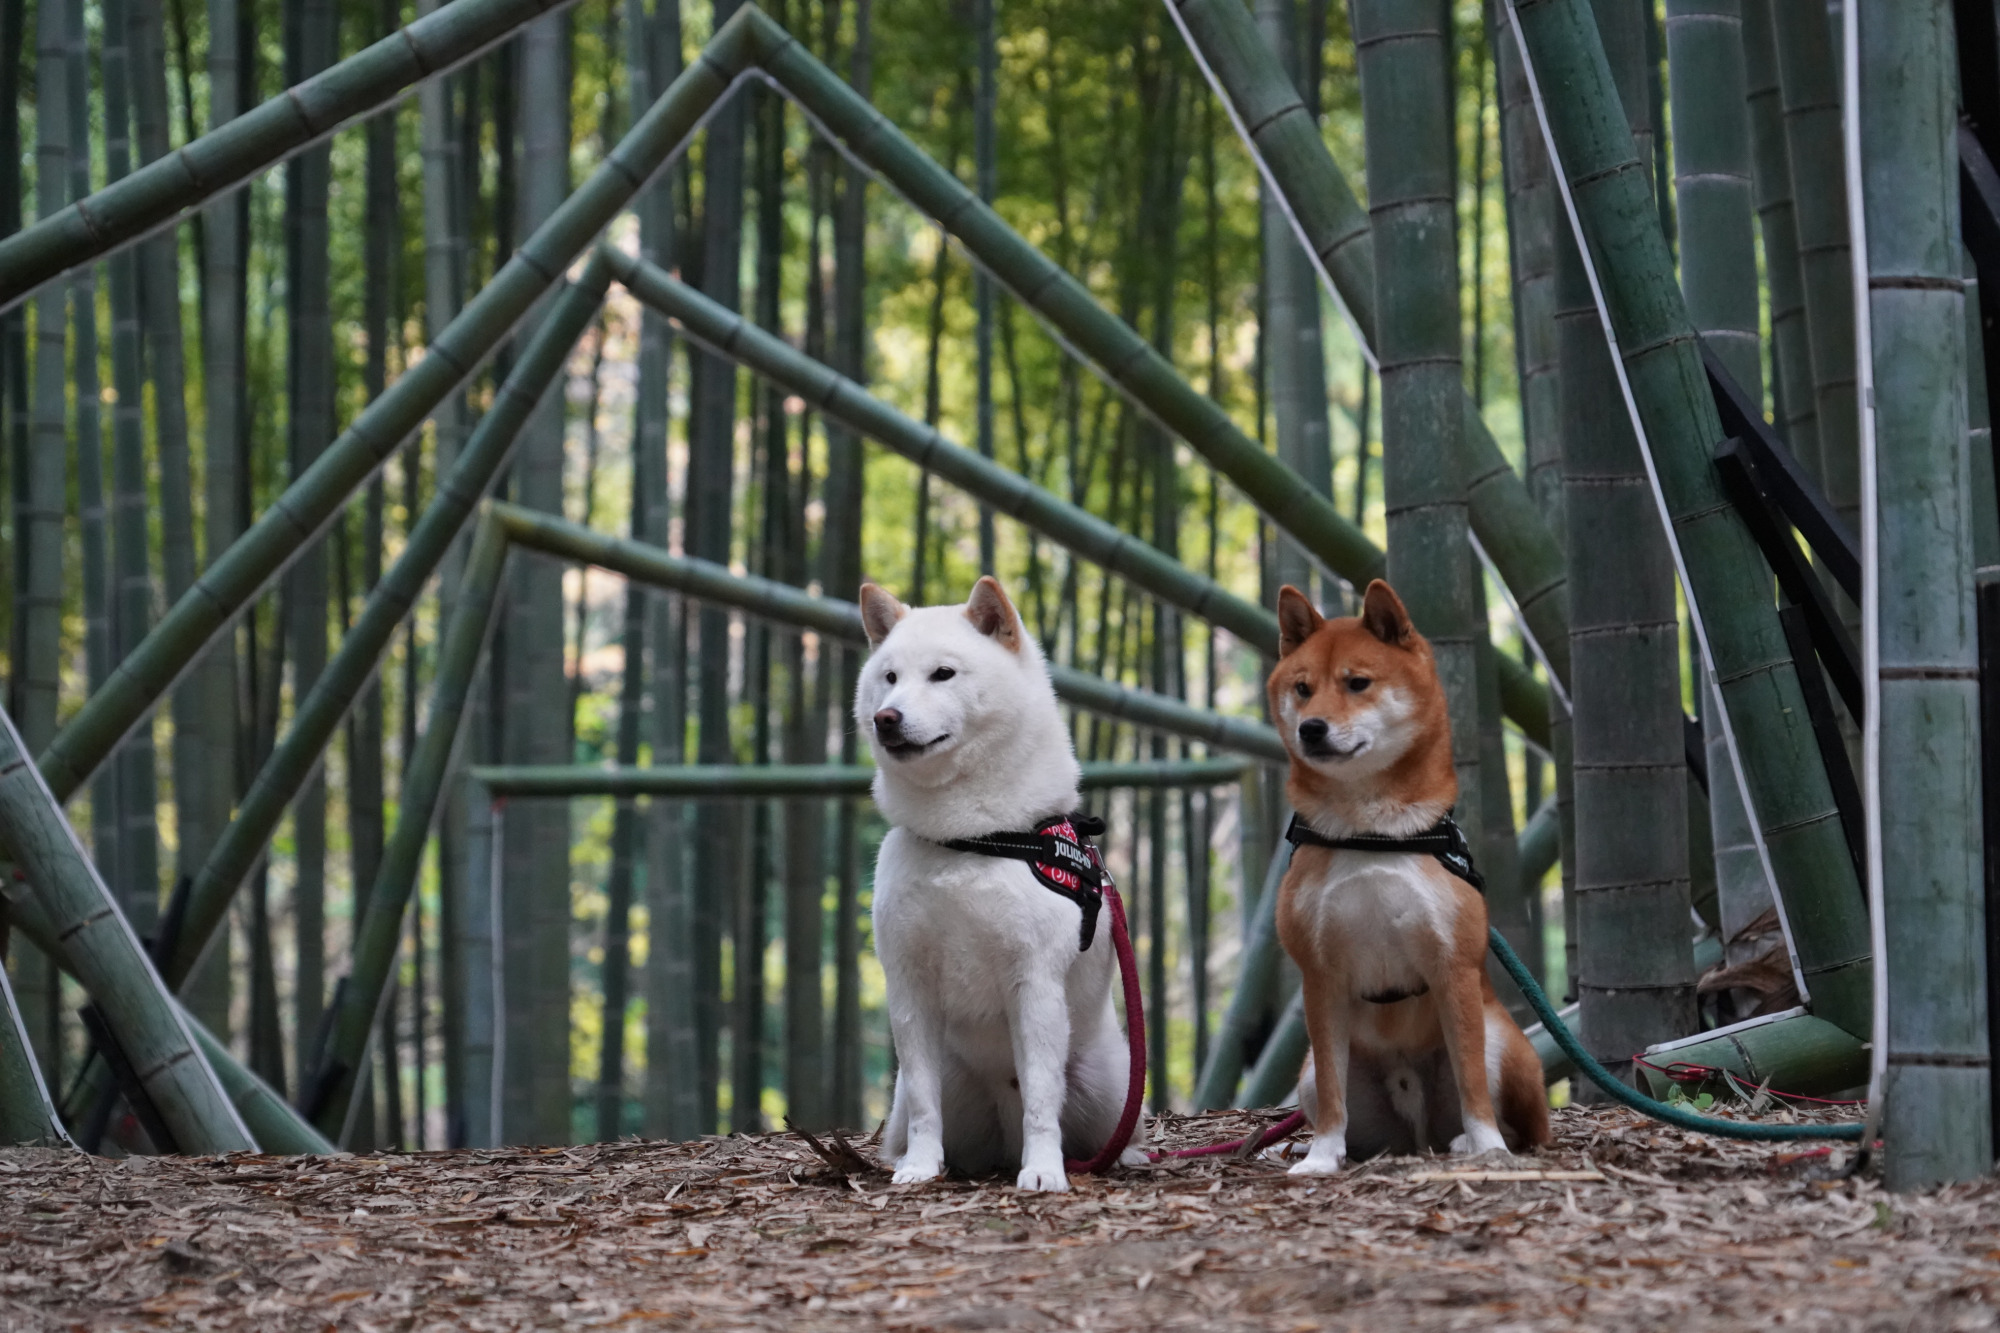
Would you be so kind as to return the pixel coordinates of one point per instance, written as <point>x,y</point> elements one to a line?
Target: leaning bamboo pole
<point>1108,343</point>
<point>1922,648</point>
<point>706,581</point>
<point>318,715</point>
<point>1718,251</point>
<point>230,155</point>
<point>236,575</point>
<point>1721,570</point>
<point>1286,142</point>
<point>691,782</point>
<point>27,1113</point>
<point>1407,105</point>
<point>378,931</point>
<point>110,961</point>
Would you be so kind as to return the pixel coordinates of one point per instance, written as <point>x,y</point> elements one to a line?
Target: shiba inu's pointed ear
<point>879,613</point>
<point>1298,619</point>
<point>1383,615</point>
<point>992,614</point>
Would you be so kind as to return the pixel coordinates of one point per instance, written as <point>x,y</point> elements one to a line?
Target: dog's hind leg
<point>1099,1076</point>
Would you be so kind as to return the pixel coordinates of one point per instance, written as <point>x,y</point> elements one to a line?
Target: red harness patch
<point>1060,854</point>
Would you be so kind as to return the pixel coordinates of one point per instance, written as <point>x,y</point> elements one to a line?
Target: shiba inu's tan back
<point>1411,1049</point>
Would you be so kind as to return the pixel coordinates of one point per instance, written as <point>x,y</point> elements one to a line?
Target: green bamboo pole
<point>1722,572</point>
<point>277,1127</point>
<point>796,781</point>
<point>1809,79</point>
<point>135,873</point>
<point>1800,1054</point>
<point>1403,60</point>
<point>1273,1080</point>
<point>378,931</point>
<point>1534,207</point>
<point>707,581</point>
<point>226,157</point>
<point>110,961</point>
<point>1777,216</point>
<point>1922,648</point>
<point>1256,982</point>
<point>1718,251</point>
<point>1633,973</point>
<point>27,1114</point>
<point>239,573</point>
<point>1286,141</point>
<point>1508,902</point>
<point>841,399</point>
<point>319,714</point>
<point>478,1000</point>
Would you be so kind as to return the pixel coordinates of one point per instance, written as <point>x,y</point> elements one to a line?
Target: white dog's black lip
<point>911,749</point>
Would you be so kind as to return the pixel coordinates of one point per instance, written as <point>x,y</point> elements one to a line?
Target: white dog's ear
<point>879,613</point>
<point>993,615</point>
<point>1384,616</point>
<point>1298,619</point>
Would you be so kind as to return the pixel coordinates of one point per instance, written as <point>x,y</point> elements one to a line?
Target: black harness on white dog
<point>1445,840</point>
<point>1060,854</point>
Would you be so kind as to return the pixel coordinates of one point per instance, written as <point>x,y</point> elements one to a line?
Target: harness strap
<point>1444,840</point>
<point>1061,856</point>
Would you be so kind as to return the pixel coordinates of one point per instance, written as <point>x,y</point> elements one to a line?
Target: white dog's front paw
<point>1324,1158</point>
<point>1044,1178</point>
<point>915,1169</point>
<point>1134,1157</point>
<point>1478,1139</point>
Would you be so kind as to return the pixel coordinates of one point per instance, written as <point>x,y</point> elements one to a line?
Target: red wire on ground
<point>1681,1071</point>
<point>1247,1144</point>
<point>1135,1027</point>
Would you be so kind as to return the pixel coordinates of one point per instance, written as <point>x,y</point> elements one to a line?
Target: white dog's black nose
<point>889,724</point>
<point>1312,731</point>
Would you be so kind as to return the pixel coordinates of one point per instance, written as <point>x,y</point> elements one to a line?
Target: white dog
<point>1010,1049</point>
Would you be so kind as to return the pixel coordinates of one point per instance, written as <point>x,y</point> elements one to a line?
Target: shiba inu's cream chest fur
<point>1008,1043</point>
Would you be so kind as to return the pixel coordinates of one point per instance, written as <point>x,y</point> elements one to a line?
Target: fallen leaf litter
<point>758,1232</point>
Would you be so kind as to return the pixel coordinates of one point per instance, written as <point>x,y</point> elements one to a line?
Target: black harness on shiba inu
<point>1059,853</point>
<point>1445,840</point>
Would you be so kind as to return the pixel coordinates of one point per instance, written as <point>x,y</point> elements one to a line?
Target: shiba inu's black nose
<point>1313,731</point>
<point>889,724</point>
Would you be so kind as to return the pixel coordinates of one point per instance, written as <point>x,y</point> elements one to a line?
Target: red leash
<point>1135,1027</point>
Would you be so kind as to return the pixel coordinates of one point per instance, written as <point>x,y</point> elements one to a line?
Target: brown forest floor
<point>1676,1232</point>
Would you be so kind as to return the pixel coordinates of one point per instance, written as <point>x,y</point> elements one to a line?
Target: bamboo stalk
<point>1791,354</point>
<point>225,158</point>
<point>318,715</point>
<point>1924,747</point>
<point>378,933</point>
<point>1256,985</point>
<point>797,781</point>
<point>27,1114</point>
<point>1723,574</point>
<point>707,581</point>
<point>239,573</point>
<point>842,400</point>
<point>40,598</point>
<point>1800,1054</point>
<point>1286,142</point>
<point>1712,183</point>
<point>110,961</point>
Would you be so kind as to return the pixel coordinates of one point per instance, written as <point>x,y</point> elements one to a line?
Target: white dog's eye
<point>891,678</point>
<point>943,673</point>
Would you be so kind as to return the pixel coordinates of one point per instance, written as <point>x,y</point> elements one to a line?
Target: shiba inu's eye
<point>1303,690</point>
<point>890,677</point>
<point>1356,684</point>
<point>943,673</point>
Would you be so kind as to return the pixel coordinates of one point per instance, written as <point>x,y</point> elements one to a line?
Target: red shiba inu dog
<point>1411,1049</point>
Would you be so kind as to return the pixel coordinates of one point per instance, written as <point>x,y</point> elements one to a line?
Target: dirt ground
<point>1639,1228</point>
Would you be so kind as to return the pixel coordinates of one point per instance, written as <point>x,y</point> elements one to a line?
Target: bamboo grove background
<point>157,402</point>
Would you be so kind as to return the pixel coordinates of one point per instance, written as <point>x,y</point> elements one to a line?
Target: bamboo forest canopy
<point>445,442</point>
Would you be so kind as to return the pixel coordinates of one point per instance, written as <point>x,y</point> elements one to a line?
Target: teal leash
<point>1639,1101</point>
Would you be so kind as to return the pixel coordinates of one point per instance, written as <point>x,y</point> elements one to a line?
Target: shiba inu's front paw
<point>915,1169</point>
<point>1478,1139</point>
<point>1324,1158</point>
<point>1044,1179</point>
